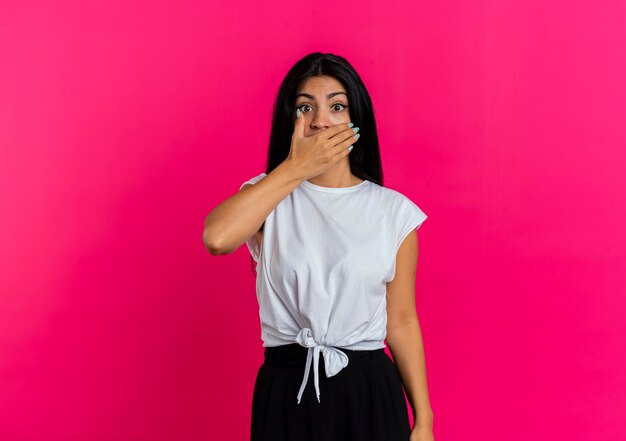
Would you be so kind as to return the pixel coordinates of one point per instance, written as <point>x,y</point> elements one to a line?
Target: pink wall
<point>123,123</point>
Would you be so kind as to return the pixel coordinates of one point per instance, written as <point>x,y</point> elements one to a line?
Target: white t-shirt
<point>322,266</point>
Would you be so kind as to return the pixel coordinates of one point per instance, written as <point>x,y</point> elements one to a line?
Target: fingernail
<point>297,113</point>
<point>350,148</point>
<point>350,125</point>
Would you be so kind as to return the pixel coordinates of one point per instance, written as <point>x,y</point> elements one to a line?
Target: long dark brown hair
<point>365,161</point>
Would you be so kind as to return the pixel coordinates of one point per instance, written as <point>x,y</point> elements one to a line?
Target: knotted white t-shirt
<point>322,268</point>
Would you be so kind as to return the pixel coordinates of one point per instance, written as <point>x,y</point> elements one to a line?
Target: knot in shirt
<point>334,360</point>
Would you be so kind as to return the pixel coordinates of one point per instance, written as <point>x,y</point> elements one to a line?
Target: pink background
<point>123,123</point>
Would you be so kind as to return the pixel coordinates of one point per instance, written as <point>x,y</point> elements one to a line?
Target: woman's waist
<point>294,354</point>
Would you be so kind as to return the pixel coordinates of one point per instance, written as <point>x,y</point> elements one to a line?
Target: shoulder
<point>400,210</point>
<point>390,198</point>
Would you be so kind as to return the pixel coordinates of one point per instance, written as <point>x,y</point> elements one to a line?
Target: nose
<point>320,121</point>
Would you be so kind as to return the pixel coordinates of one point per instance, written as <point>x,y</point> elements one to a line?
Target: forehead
<point>321,87</point>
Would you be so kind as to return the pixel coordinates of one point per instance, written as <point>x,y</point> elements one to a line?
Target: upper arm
<point>401,290</point>
<point>259,233</point>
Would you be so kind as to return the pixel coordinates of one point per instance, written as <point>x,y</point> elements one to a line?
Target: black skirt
<point>364,401</point>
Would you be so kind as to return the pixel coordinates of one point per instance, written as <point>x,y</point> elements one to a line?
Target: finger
<point>341,149</point>
<point>299,126</point>
<point>335,130</point>
<point>350,138</point>
<point>342,152</point>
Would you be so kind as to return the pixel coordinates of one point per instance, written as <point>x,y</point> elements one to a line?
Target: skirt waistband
<point>295,355</point>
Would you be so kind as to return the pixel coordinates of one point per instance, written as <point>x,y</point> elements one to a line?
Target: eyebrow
<point>329,96</point>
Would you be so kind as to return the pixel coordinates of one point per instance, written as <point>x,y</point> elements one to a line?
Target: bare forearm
<point>407,348</point>
<point>241,215</point>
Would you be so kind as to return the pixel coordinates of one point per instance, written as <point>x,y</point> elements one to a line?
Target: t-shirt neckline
<point>312,186</point>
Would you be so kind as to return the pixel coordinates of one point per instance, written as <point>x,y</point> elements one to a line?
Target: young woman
<point>336,256</point>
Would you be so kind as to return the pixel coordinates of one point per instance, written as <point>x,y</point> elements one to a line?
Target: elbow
<point>216,240</point>
<point>399,326</point>
<point>211,237</point>
<point>212,249</point>
<point>212,243</point>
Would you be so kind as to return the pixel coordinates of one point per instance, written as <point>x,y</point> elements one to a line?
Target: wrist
<point>292,170</point>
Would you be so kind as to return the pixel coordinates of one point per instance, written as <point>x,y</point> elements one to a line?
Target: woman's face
<point>323,102</point>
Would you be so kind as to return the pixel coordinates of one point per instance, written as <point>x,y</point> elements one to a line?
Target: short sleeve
<point>410,217</point>
<point>254,180</point>
<point>252,242</point>
<point>407,217</point>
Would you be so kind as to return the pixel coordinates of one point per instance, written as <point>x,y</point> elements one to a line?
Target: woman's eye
<point>301,107</point>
